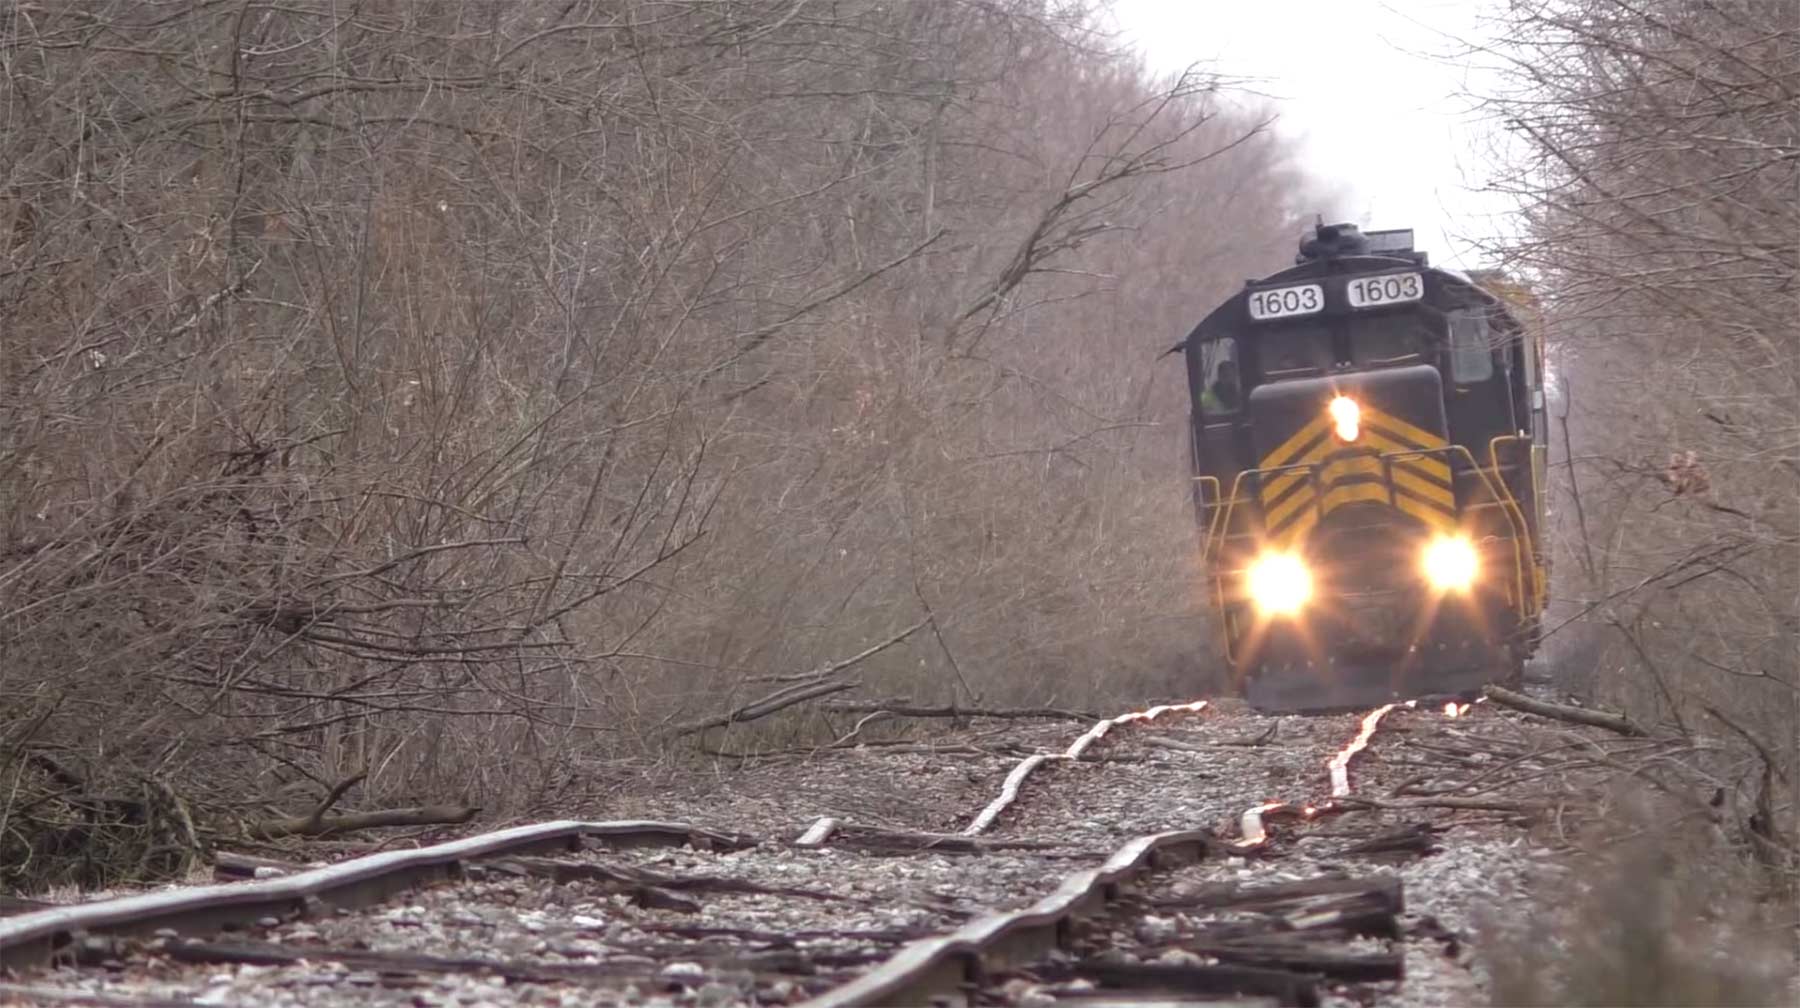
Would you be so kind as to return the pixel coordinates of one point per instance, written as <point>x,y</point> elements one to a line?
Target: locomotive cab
<point>1367,464</point>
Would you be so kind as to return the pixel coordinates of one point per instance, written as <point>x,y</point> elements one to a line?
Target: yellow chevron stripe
<point>1430,492</point>
<point>1405,436</point>
<point>1414,472</point>
<point>1332,470</point>
<point>1354,492</point>
<point>1293,535</point>
<point>1419,437</point>
<point>1377,439</point>
<point>1275,458</point>
<point>1426,480</point>
<point>1273,518</point>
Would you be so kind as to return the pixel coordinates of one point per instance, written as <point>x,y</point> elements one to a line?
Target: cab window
<point>1294,351</point>
<point>1223,391</point>
<point>1388,339</point>
<point>1471,356</point>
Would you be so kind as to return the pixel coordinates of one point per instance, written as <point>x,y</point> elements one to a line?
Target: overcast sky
<point>1373,89</point>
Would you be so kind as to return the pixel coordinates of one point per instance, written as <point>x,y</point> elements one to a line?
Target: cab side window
<point>1471,351</point>
<point>1224,390</point>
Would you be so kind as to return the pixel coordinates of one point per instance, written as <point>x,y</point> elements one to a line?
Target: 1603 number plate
<point>1281,302</point>
<point>1376,291</point>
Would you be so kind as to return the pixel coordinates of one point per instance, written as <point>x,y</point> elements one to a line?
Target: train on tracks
<point>1368,453</point>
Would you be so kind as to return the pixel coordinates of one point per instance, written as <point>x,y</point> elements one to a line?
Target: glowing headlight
<point>1346,416</point>
<point>1450,563</point>
<point>1279,584</point>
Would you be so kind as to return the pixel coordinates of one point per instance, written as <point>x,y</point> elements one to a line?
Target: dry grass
<point>1648,914</point>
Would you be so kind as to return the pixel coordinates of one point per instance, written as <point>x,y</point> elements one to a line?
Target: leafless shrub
<point>1655,157</point>
<point>1645,914</point>
<point>436,396</point>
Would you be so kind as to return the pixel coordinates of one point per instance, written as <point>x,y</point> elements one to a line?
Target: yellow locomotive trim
<point>1343,474</point>
<point>1301,443</point>
<point>1353,478</point>
<point>1337,474</point>
<point>1517,589</point>
<point>1427,476</point>
<point>1400,430</point>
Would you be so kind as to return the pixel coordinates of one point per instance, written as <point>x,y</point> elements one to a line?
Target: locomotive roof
<point>1230,317</point>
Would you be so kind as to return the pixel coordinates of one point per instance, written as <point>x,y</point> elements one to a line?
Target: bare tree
<point>1657,159</point>
<point>555,371</point>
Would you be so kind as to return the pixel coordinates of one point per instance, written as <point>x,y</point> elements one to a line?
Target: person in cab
<point>1222,395</point>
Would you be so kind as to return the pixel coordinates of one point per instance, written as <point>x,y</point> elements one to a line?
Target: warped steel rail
<point>37,938</point>
<point>1009,790</point>
<point>933,968</point>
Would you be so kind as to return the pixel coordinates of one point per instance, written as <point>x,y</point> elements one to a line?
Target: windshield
<point>1294,350</point>
<point>1391,338</point>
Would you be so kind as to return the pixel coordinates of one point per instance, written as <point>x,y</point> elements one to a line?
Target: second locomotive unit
<point>1368,464</point>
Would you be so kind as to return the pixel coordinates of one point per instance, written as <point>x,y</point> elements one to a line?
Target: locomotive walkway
<point>1207,853</point>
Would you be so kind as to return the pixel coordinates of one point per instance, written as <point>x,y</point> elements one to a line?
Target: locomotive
<point>1368,452</point>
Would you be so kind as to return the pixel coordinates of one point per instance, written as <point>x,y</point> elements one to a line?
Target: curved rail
<point>936,967</point>
<point>36,938</point>
<point>1009,790</point>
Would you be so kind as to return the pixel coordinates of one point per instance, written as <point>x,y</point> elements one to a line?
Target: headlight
<point>1279,584</point>
<point>1450,563</point>
<point>1346,417</point>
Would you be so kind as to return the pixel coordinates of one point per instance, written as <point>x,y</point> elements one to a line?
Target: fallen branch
<point>315,826</point>
<point>820,684</point>
<point>700,932</point>
<point>863,722</point>
<point>1261,739</point>
<point>893,746</point>
<point>337,792</point>
<point>229,865</point>
<point>1563,712</point>
<point>630,878</point>
<point>871,652</point>
<point>1466,804</point>
<point>868,838</point>
<point>953,711</point>
<point>1159,742</point>
<point>1419,839</point>
<point>779,700</point>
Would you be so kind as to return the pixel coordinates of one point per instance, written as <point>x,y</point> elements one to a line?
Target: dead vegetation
<point>451,399</point>
<point>1653,150</point>
<point>1646,913</point>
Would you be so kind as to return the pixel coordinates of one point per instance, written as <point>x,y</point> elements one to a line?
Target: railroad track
<point>1192,851</point>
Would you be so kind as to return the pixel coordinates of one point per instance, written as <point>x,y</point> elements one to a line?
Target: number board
<point>1377,291</point>
<point>1280,302</point>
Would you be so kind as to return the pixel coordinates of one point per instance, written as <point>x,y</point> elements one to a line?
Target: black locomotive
<point>1368,455</point>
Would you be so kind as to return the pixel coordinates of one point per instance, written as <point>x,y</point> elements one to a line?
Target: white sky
<point>1372,89</point>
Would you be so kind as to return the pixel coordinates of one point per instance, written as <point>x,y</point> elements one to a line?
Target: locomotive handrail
<point>1502,495</point>
<point>1218,490</point>
<point>1496,487</point>
<point>1518,513</point>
